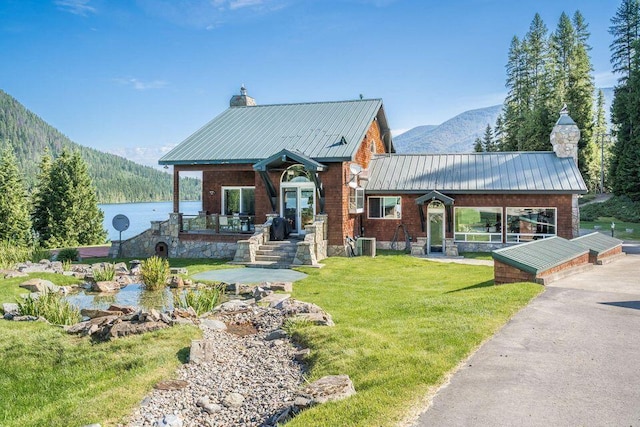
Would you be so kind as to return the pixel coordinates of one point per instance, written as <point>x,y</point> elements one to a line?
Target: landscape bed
<point>401,324</point>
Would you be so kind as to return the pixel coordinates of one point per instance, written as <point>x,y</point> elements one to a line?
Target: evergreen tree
<point>498,133</point>
<point>625,114</point>
<point>73,215</point>
<point>477,146</point>
<point>15,225</point>
<point>603,149</point>
<point>487,140</point>
<point>40,216</point>
<point>625,29</point>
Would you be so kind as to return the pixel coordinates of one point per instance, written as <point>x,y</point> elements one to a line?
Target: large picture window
<point>526,224</point>
<point>385,207</point>
<point>237,200</point>
<point>478,224</point>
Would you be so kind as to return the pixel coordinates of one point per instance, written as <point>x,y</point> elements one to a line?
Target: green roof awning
<point>434,195</point>
<point>285,155</point>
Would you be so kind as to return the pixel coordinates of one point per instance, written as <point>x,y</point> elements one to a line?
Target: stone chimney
<point>242,100</point>
<point>565,136</point>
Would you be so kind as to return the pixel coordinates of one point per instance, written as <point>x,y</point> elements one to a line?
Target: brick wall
<point>504,273</point>
<point>383,229</point>
<point>225,176</point>
<point>363,155</point>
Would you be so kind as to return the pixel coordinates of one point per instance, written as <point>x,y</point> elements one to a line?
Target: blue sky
<point>136,77</point>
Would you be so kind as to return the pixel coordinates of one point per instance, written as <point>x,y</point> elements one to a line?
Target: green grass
<point>620,230</point>
<point>401,325</point>
<point>10,289</point>
<point>477,255</point>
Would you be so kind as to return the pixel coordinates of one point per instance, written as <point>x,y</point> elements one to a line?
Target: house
<point>331,171</point>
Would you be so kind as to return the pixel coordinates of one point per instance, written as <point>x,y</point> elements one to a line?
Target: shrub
<point>106,273</point>
<point>202,300</point>
<point>52,307</point>
<point>11,254</point>
<point>38,253</point>
<point>620,207</point>
<point>155,272</point>
<point>68,254</point>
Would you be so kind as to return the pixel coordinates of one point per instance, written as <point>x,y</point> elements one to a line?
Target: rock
<point>281,286</point>
<point>233,400</point>
<point>328,389</point>
<point>164,317</point>
<point>216,325</point>
<point>176,282</point>
<point>300,355</point>
<point>10,274</point>
<point>121,268</point>
<point>259,293</point>
<point>39,285</point>
<point>212,408</point>
<point>124,280</point>
<point>10,308</point>
<point>276,335</point>
<point>124,329</point>
<point>93,313</point>
<point>241,288</point>
<point>124,309</point>
<point>315,318</point>
<point>169,420</point>
<point>201,351</point>
<point>302,402</point>
<point>25,318</point>
<point>149,316</point>
<point>178,270</point>
<point>106,286</point>
<point>275,300</point>
<point>171,385</point>
<point>188,313</point>
<point>188,282</point>
<point>233,305</point>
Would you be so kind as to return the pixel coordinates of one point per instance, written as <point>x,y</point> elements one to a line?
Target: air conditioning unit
<point>366,246</point>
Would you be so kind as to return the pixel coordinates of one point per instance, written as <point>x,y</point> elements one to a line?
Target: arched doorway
<point>435,226</point>
<point>298,197</point>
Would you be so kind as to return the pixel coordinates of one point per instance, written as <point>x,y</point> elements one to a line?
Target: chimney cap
<point>243,90</point>
<point>565,118</point>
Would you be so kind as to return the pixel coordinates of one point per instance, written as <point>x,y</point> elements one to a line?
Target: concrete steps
<point>276,254</point>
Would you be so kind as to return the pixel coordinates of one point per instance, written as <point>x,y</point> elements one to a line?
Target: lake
<point>141,214</point>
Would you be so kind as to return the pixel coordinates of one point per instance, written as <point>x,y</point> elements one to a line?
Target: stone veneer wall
<point>179,245</point>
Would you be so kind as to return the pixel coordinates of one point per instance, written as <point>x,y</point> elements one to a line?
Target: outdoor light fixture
<point>166,166</point>
<point>212,192</point>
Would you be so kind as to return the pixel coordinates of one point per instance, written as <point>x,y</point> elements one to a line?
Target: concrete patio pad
<point>251,275</point>
<point>570,358</point>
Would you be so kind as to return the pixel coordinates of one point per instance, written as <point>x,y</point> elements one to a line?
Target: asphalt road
<point>570,358</point>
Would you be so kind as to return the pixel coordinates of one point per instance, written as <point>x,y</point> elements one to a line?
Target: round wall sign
<point>120,222</point>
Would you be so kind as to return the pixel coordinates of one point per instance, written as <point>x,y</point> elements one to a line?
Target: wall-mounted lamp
<point>212,192</point>
<point>166,166</point>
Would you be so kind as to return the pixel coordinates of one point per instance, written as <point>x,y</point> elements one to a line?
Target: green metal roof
<point>504,172</point>
<point>539,255</point>
<point>597,242</point>
<point>324,131</point>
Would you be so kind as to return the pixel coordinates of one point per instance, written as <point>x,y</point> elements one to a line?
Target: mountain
<point>457,135</point>
<point>116,178</point>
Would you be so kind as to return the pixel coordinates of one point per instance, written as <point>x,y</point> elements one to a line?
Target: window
<point>372,147</point>
<point>238,200</point>
<point>356,200</point>
<point>525,224</point>
<point>478,224</point>
<point>385,207</point>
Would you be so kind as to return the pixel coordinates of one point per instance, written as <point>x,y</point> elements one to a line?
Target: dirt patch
<point>241,329</point>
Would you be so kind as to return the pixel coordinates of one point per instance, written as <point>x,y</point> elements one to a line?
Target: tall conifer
<point>15,224</point>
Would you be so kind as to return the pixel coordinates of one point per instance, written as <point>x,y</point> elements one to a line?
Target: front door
<point>298,206</point>
<point>435,229</point>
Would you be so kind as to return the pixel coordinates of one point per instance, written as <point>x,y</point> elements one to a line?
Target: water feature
<point>131,295</point>
<point>141,214</point>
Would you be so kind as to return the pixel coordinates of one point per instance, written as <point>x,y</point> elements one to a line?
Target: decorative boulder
<point>93,313</point>
<point>176,282</point>
<point>326,389</point>
<point>39,285</point>
<point>106,286</point>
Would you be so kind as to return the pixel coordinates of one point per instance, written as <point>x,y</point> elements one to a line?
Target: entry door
<point>298,207</point>
<point>435,232</point>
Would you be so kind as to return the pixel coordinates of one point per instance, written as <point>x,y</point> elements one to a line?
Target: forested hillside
<point>116,179</point>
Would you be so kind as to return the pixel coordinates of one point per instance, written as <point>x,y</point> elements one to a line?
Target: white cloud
<point>77,7</point>
<point>239,4</point>
<point>138,84</point>
<point>147,156</point>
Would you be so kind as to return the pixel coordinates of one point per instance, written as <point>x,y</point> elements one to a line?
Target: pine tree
<point>477,146</point>
<point>15,225</point>
<point>625,115</point>
<point>487,140</point>
<point>73,214</point>
<point>40,216</point>
<point>625,29</point>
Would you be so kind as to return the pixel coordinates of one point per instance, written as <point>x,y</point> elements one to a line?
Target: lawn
<point>620,231</point>
<point>402,323</point>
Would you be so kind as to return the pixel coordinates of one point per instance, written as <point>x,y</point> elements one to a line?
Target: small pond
<point>133,294</point>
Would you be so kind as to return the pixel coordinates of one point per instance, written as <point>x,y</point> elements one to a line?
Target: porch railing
<point>216,223</point>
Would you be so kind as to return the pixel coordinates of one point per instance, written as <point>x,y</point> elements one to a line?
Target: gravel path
<point>248,380</point>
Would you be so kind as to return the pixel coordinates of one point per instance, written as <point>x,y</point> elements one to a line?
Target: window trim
<point>354,195</point>
<point>224,189</point>
<point>492,237</point>
<point>399,198</point>
<point>517,236</point>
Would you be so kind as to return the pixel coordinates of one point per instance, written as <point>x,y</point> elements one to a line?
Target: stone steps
<point>276,254</point>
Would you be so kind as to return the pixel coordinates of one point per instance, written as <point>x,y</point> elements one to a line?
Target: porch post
<point>176,190</point>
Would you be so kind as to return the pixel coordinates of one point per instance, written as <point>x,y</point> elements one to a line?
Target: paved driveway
<point>570,358</point>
